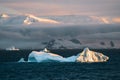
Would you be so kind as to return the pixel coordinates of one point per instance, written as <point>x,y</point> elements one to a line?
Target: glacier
<point>86,56</point>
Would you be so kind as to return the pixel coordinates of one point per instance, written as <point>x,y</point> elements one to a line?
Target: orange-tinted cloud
<point>116,20</point>
<point>64,7</point>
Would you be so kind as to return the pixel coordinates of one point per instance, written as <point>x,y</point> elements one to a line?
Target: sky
<point>63,7</point>
<point>31,36</point>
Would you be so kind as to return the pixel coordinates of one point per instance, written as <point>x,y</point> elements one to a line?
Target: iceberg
<point>91,56</point>
<point>86,56</point>
<point>22,60</point>
<point>70,59</point>
<point>44,56</point>
<point>12,48</point>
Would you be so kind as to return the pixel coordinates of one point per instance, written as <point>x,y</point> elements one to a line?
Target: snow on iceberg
<point>44,56</point>
<point>91,56</point>
<point>85,56</point>
<point>22,60</point>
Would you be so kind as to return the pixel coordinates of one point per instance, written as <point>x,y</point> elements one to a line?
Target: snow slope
<point>91,56</point>
<point>31,18</point>
<point>81,19</point>
<point>14,19</point>
<point>28,19</point>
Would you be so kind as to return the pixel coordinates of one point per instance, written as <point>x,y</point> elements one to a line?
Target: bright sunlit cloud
<point>117,20</point>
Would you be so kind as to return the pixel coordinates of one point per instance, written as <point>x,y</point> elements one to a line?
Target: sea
<point>10,69</point>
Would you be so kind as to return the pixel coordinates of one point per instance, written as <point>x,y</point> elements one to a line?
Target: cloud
<point>108,9</point>
<point>64,7</point>
<point>8,10</point>
<point>28,37</point>
<point>116,20</point>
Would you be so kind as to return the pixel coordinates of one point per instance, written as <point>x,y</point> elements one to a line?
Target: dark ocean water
<point>11,70</point>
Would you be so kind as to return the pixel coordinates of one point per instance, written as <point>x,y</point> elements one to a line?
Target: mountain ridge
<point>65,19</point>
<point>27,19</point>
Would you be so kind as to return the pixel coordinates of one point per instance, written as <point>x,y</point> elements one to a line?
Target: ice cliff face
<point>91,56</point>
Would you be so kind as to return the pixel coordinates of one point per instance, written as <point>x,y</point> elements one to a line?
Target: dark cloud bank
<point>28,37</point>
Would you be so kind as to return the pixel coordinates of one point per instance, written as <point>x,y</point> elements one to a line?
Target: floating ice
<point>12,48</point>
<point>44,56</point>
<point>22,60</point>
<point>85,56</point>
<point>91,56</point>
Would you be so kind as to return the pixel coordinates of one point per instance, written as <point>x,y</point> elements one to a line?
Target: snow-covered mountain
<point>31,19</point>
<point>4,16</point>
<point>81,19</point>
<point>76,43</point>
<point>27,19</point>
<point>60,37</point>
<point>20,19</point>
<point>104,35</point>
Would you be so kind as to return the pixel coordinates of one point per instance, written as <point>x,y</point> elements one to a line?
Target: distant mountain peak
<point>31,18</point>
<point>104,20</point>
<point>82,19</point>
<point>20,19</point>
<point>3,15</point>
